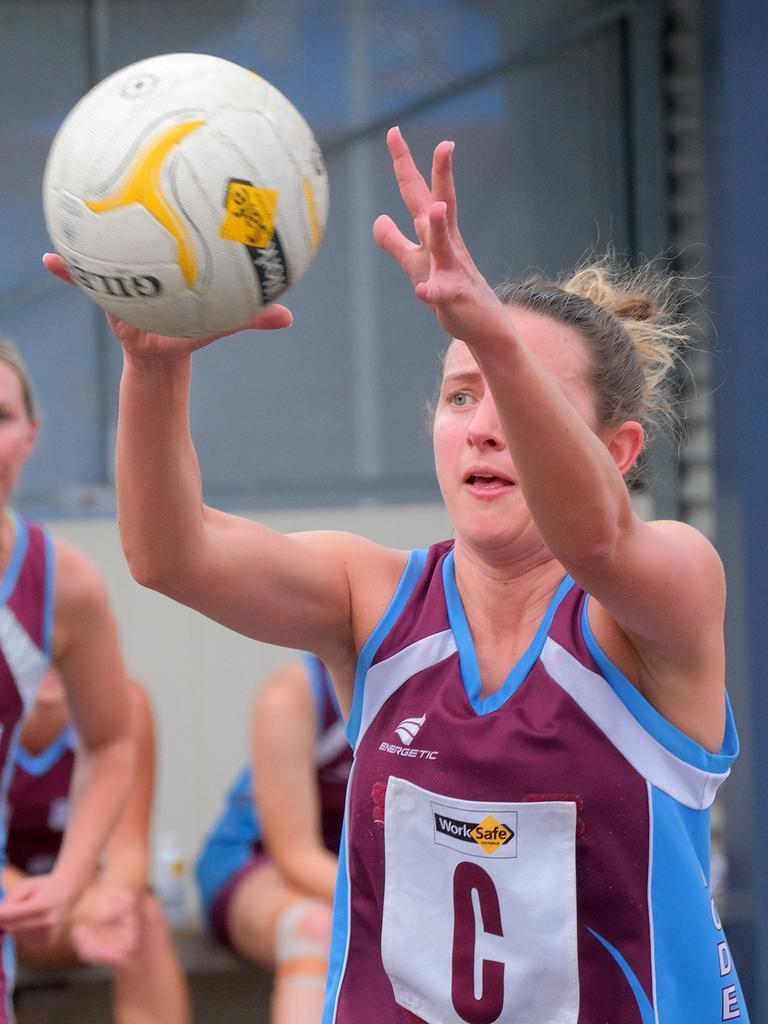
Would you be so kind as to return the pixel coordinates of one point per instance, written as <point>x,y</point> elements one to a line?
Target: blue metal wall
<point>737,147</point>
<point>557,118</point>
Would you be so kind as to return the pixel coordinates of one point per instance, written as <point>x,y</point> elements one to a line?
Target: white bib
<point>479,921</point>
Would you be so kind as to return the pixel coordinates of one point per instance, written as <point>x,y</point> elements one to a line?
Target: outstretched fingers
<point>417,195</point>
<point>443,257</point>
<point>391,239</point>
<point>413,188</point>
<point>443,187</point>
<point>440,238</point>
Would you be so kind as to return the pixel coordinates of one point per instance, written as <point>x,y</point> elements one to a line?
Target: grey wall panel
<point>536,96</point>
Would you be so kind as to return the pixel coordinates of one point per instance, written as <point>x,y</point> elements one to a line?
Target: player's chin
<point>487,503</point>
<point>492,524</point>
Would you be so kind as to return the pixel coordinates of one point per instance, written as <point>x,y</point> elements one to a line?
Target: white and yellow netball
<point>185,193</point>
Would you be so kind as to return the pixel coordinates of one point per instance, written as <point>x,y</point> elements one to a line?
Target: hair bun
<point>634,307</point>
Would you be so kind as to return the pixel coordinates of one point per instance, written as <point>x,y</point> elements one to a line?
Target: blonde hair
<point>11,356</point>
<point>630,319</point>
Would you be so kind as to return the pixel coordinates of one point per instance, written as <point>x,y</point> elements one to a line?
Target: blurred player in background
<point>54,609</point>
<point>267,871</point>
<point>117,921</point>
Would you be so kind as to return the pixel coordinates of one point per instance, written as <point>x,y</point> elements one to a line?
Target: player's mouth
<point>487,483</point>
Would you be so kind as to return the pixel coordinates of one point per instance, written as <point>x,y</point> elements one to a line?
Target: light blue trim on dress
<point>689,976</point>
<point>11,574</point>
<point>470,671</point>
<point>654,723</point>
<point>9,971</point>
<point>337,956</point>
<point>316,686</point>
<point>647,1015</point>
<point>50,577</point>
<point>39,764</point>
<point>417,559</point>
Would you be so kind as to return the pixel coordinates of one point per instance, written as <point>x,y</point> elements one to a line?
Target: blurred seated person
<point>117,921</point>
<point>267,871</point>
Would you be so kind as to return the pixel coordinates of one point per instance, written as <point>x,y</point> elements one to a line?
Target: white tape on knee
<point>290,943</point>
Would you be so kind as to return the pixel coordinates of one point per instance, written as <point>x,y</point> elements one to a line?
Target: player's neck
<point>502,594</point>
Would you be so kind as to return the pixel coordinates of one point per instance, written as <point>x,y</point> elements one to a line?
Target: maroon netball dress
<point>26,621</point>
<point>38,804</point>
<point>536,856</point>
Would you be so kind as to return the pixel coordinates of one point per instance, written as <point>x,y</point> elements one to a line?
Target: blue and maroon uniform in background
<point>540,854</point>
<point>26,622</point>
<point>39,804</point>
<point>234,848</point>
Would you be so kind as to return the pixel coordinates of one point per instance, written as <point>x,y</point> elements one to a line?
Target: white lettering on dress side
<point>724,957</point>
<point>731,1009</point>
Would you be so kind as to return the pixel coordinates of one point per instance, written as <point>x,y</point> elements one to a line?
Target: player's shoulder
<point>691,543</point>
<point>139,695</point>
<point>286,690</point>
<point>369,561</point>
<point>685,532</point>
<point>78,582</point>
<point>355,549</point>
<point>372,569</point>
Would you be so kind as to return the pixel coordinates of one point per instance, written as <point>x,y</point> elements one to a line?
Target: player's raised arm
<point>553,384</point>
<point>291,590</point>
<point>280,589</point>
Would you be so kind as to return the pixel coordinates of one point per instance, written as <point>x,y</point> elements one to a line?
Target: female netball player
<point>267,871</point>
<point>54,609</point>
<point>536,848</point>
<point>116,921</point>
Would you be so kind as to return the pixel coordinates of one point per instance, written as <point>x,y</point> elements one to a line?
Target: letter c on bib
<point>469,878</point>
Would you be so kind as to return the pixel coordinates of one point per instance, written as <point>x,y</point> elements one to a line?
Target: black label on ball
<point>271,270</point>
<point>123,286</point>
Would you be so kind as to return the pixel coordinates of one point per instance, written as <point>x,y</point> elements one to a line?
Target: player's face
<point>474,465</point>
<point>17,431</point>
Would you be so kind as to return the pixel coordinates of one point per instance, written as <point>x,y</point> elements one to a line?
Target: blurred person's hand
<point>105,924</point>
<point>38,907</point>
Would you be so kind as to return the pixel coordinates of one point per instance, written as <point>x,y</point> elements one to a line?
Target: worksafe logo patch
<point>463,831</point>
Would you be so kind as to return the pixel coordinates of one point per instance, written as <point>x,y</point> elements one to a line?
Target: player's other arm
<point>290,590</point>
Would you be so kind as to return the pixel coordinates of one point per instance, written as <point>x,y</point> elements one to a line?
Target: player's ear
<point>31,439</point>
<point>625,443</point>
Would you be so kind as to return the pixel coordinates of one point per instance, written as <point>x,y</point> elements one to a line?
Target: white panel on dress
<point>332,743</point>
<point>383,679</point>
<point>525,853</point>
<point>694,787</point>
<point>26,661</point>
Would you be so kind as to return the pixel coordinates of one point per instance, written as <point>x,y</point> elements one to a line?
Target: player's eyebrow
<point>461,376</point>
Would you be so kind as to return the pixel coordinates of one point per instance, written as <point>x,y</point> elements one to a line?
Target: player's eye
<point>459,399</point>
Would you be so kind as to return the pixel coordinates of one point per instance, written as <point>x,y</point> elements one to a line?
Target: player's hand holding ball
<point>184,194</point>
<point>137,341</point>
